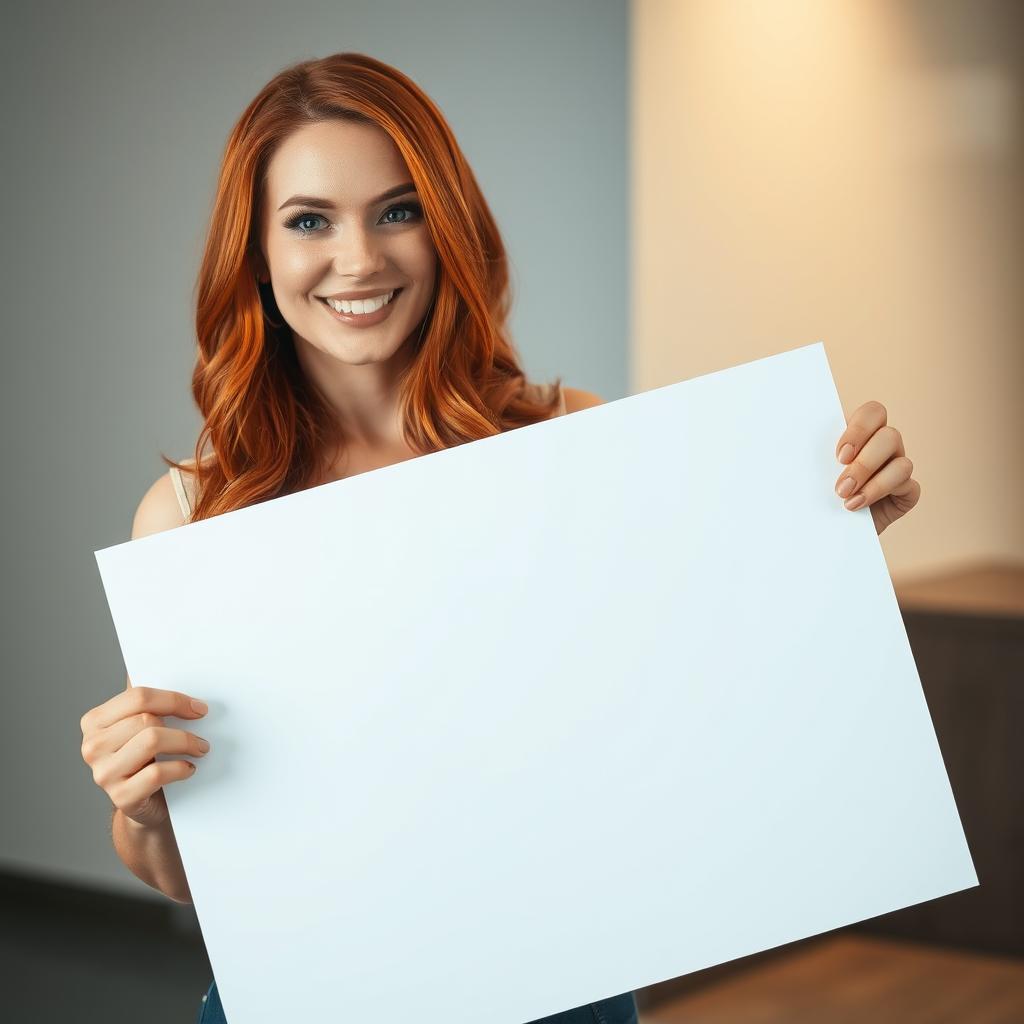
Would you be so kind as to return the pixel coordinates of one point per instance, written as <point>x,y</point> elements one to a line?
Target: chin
<point>360,353</point>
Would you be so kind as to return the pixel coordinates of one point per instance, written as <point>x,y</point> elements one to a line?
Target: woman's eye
<point>414,209</point>
<point>298,221</point>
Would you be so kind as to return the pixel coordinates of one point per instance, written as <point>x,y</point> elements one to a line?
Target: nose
<point>358,253</point>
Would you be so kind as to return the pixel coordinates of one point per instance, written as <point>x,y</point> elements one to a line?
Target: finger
<point>866,419</point>
<point>142,748</point>
<point>101,742</point>
<point>886,443</point>
<point>130,794</point>
<point>138,700</point>
<point>898,503</point>
<point>893,478</point>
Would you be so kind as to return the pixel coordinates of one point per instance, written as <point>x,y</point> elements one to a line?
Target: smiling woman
<point>353,257</point>
<point>352,309</point>
<point>353,295</point>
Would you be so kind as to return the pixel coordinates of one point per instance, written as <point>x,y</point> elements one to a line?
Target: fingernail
<point>199,707</point>
<point>204,746</point>
<point>846,453</point>
<point>854,503</point>
<point>845,489</point>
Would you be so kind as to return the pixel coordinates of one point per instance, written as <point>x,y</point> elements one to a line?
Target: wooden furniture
<point>966,631</point>
<point>857,979</point>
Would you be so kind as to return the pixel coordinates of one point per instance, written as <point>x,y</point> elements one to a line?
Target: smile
<point>362,312</point>
<point>370,305</point>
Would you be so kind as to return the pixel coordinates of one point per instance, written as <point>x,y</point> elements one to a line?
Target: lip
<point>363,319</point>
<point>366,293</point>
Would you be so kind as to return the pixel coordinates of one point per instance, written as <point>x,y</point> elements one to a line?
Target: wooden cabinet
<point>966,631</point>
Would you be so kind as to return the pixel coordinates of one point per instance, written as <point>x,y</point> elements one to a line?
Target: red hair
<point>269,430</point>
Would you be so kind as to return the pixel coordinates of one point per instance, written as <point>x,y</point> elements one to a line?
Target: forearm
<point>152,855</point>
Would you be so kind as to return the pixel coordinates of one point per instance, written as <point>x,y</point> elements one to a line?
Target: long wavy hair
<point>267,430</point>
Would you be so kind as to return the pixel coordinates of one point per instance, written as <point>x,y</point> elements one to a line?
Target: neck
<point>363,398</point>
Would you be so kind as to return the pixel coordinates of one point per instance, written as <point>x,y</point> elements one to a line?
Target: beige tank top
<point>186,505</point>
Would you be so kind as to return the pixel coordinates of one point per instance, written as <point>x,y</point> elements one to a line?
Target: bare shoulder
<point>576,399</point>
<point>159,509</point>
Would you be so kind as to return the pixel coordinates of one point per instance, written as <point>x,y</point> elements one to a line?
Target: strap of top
<point>179,490</point>
<point>182,494</point>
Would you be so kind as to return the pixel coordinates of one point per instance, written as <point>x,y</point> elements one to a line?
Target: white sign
<point>529,722</point>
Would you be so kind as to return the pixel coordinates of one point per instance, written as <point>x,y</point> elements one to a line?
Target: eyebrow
<point>326,204</point>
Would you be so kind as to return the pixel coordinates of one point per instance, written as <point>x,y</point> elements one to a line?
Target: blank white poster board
<point>546,717</point>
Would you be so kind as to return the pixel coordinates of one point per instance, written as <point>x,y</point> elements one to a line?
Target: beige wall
<point>845,171</point>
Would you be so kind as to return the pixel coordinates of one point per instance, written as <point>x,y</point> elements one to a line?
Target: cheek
<point>417,256</point>
<point>292,265</point>
<point>302,265</point>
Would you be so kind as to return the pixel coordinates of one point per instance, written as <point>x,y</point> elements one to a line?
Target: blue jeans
<point>616,1010</point>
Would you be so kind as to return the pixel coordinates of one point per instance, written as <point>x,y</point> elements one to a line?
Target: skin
<point>878,472</point>
<point>358,243</point>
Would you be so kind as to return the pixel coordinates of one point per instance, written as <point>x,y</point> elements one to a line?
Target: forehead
<point>350,163</point>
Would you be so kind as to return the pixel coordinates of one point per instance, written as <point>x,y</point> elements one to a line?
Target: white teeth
<point>361,305</point>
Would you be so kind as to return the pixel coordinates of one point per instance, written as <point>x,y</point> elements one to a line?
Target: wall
<point>115,117</point>
<point>845,171</point>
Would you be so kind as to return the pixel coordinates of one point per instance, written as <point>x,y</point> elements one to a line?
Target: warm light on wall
<point>807,170</point>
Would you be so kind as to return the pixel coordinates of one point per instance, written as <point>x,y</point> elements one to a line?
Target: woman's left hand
<point>873,456</point>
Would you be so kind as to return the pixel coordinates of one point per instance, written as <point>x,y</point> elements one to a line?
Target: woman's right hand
<point>122,736</point>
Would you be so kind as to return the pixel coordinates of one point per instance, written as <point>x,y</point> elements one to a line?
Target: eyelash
<point>413,208</point>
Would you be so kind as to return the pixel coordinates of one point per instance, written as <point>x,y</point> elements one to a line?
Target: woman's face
<point>340,216</point>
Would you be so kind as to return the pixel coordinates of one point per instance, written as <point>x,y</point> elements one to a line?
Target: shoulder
<point>158,510</point>
<point>576,399</point>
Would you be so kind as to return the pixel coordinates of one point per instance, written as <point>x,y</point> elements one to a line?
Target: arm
<point>150,852</point>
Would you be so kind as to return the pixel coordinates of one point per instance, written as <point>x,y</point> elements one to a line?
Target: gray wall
<point>115,117</point>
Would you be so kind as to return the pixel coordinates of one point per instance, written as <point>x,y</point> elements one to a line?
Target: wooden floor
<point>853,979</point>
<point>75,955</point>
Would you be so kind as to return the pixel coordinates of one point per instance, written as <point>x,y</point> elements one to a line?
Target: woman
<point>351,313</point>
